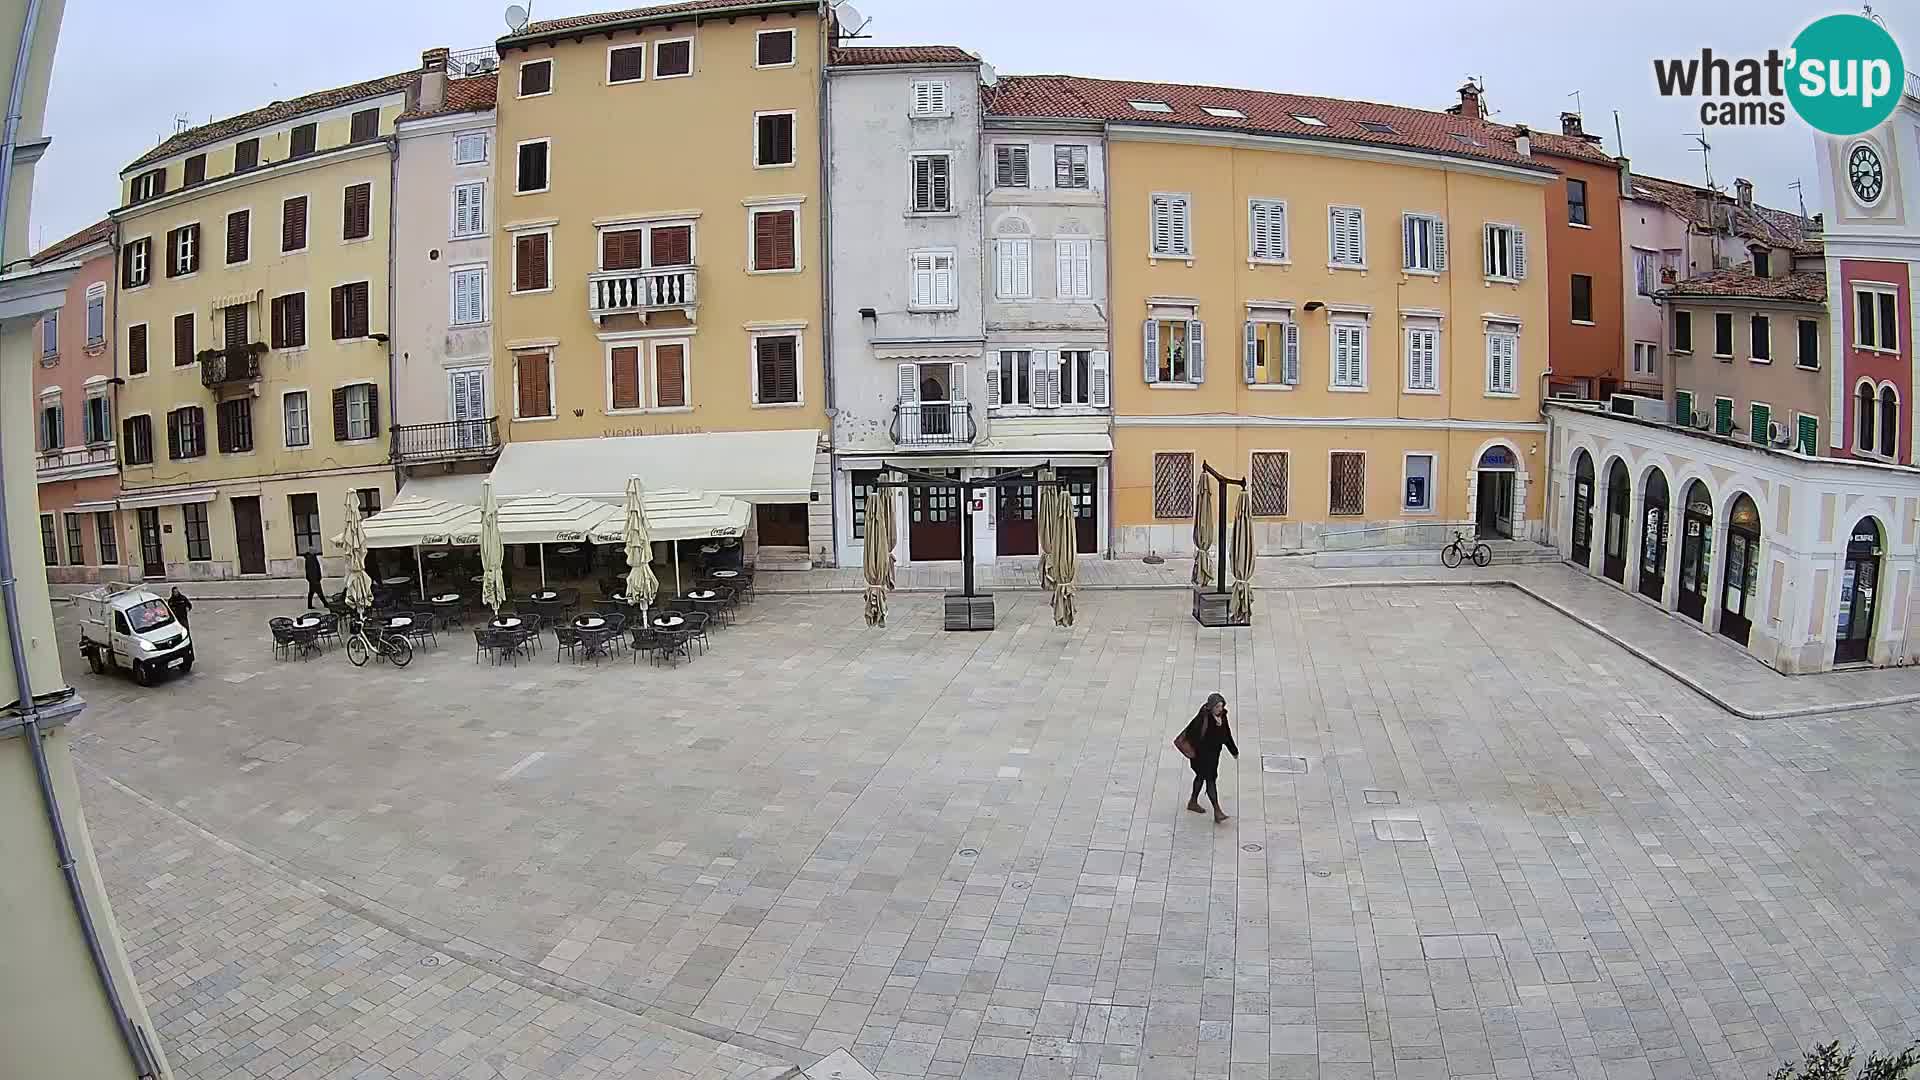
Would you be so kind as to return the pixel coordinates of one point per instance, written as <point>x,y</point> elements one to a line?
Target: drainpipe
<point>393,385</point>
<point>826,283</point>
<point>144,1065</point>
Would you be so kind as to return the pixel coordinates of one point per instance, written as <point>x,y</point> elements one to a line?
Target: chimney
<point>1743,187</point>
<point>1469,101</point>
<point>1626,176</point>
<point>1522,140</point>
<point>433,79</point>
<point>1570,125</point>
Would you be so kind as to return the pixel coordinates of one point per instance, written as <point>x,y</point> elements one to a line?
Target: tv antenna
<point>1705,150</point>
<point>181,122</point>
<point>1576,102</point>
<point>1800,189</point>
<point>517,16</point>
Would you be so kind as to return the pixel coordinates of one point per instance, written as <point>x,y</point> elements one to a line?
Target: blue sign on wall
<point>1497,457</point>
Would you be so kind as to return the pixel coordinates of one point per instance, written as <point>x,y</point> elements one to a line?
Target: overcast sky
<point>124,71</point>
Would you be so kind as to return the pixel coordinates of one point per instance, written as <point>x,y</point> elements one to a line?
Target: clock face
<point>1864,174</point>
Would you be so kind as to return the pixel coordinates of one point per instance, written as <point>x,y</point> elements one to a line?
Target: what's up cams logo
<point>1843,75</point>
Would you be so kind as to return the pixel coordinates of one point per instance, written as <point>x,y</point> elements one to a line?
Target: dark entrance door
<point>248,536</point>
<point>1083,489</point>
<point>781,525</point>
<point>1583,509</point>
<point>151,563</point>
<point>1493,501</point>
<point>1018,520</point>
<point>1613,557</point>
<point>1743,563</point>
<point>933,520</point>
<point>1653,538</point>
<point>1696,552</point>
<point>1859,586</point>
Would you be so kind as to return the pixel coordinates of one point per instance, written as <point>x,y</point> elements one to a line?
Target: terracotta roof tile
<point>208,134</point>
<point>1781,227</point>
<point>92,234</point>
<point>1801,286</point>
<point>1567,146</point>
<point>657,11</point>
<point>474,94</point>
<point>1262,112</point>
<point>902,54</point>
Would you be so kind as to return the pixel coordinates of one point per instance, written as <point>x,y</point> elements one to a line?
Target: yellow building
<point>252,323</point>
<point>1329,298</point>
<point>660,269</point>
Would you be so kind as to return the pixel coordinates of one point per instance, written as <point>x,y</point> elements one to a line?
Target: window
<point>369,499</point>
<point>623,377</point>
<point>1876,323</point>
<point>1346,236</point>
<point>626,63</point>
<point>531,167</point>
<point>295,419</point>
<point>186,433</point>
<point>1223,112</point>
<point>53,424</point>
<point>1073,269</point>
<point>1683,331</point>
<point>1423,358</point>
<point>96,314</point>
<point>1808,355</point>
<point>350,311</point>
<point>776,370</point>
<point>246,155</point>
<point>234,325</point>
<point>135,270</point>
<point>1150,106</point>
<point>148,185</point>
<point>1646,360</point>
<point>530,262</point>
<point>932,186</point>
<point>1760,263</point>
<point>1272,352</point>
<point>96,418</point>
<point>929,97</point>
<point>183,250</point>
<point>1172,227</point>
<point>536,78</point>
<point>1418,497</point>
<point>1576,201</point>
<point>773,48</point>
<point>49,545</point>
<point>1347,483</point>
<point>1863,414</point>
<point>1723,333</point>
<point>1012,383</point>
<point>233,425</point>
<point>1760,423</point>
<point>1172,485</point>
<point>137,349</point>
<point>193,518</point>
<point>1377,127</point>
<point>773,239</point>
<point>670,245</point>
<point>1807,435</point>
<point>136,440</point>
<point>289,314</point>
<point>1423,243</point>
<point>1175,351</point>
<point>1723,416</point>
<point>356,212</point>
<point>469,285</point>
<point>50,335</point>
<point>365,125</point>
<point>1582,298</point>
<point>107,537</point>
<point>1013,269</point>
<point>1762,339</point>
<point>1889,422</point>
<point>470,148</point>
<point>533,386</point>
<point>304,140</point>
<point>1503,363</point>
<point>1350,355</point>
<point>862,489</point>
<point>1646,272</point>
<point>1079,376</point>
<point>469,209</point>
<point>306,522</point>
<point>931,288</point>
<point>194,171</point>
<point>1308,119</point>
<point>1506,253</point>
<point>293,224</point>
<point>356,412</point>
<point>183,351</point>
<point>239,235</point>
<point>773,139</point>
<point>669,375</point>
<point>1070,167</point>
<point>1010,165</point>
<point>1266,230</point>
<point>1267,483</point>
<point>673,59</point>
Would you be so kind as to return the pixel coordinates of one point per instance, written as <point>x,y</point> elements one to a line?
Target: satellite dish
<point>988,77</point>
<point>850,19</point>
<point>516,18</point>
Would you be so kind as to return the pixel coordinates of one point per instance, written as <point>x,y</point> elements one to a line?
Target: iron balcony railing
<point>72,462</point>
<point>230,365</point>
<point>637,292</point>
<point>933,423</point>
<point>452,440</point>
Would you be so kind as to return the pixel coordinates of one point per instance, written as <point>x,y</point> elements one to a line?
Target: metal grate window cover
<point>1267,481</point>
<point>1173,485</point>
<point>1348,492</point>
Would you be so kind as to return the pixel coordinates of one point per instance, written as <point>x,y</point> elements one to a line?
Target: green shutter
<point>1683,408</point>
<point>1809,440</point>
<point>1762,422</point>
<point>1723,416</point>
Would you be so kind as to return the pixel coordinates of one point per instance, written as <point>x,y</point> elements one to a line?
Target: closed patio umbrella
<point>1066,560</point>
<point>879,554</point>
<point>641,584</point>
<point>1241,556</point>
<point>1202,534</point>
<point>1045,520</point>
<point>354,539</point>
<point>493,585</point>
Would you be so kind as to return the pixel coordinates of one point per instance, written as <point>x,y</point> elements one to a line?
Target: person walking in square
<point>178,603</point>
<point>1205,734</point>
<point>312,559</point>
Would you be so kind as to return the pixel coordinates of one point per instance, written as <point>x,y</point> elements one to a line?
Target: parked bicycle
<point>365,642</point>
<point>1462,548</point>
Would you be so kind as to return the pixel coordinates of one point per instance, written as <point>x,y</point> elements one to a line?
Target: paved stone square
<point>1470,839</point>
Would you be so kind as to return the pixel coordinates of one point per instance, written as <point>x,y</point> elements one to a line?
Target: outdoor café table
<point>544,596</point>
<point>703,594</point>
<point>437,555</point>
<point>306,622</point>
<point>507,622</point>
<point>669,622</point>
<point>397,622</point>
<point>446,603</point>
<point>568,549</point>
<point>589,622</point>
<point>724,575</point>
<point>397,580</point>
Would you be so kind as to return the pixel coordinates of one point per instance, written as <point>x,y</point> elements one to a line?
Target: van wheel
<point>94,663</point>
<point>143,674</point>
<point>186,667</point>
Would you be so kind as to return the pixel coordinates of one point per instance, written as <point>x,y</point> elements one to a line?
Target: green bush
<point>1828,1063</point>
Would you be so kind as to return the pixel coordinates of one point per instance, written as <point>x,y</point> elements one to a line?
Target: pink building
<point>74,429</point>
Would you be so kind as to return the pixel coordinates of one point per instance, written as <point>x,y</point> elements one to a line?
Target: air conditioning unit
<point>1640,407</point>
<point>1702,421</point>
<point>1780,435</point>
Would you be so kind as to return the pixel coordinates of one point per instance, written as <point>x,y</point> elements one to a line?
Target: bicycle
<point>1462,548</point>
<point>364,643</point>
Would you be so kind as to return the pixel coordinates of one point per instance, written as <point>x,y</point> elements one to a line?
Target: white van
<point>126,628</point>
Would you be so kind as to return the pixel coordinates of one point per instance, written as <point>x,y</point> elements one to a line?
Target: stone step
<point>1505,553</point>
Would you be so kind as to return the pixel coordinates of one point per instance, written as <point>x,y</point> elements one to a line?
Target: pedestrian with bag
<point>1205,734</point>
<point>312,559</point>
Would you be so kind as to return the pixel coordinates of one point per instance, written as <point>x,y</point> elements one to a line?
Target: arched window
<point>1889,421</point>
<point>1863,417</point>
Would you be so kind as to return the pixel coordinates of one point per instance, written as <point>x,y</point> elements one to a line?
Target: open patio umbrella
<point>1066,561</point>
<point>354,539</point>
<point>1241,556</point>
<point>879,555</point>
<point>493,585</point>
<point>641,583</point>
<point>1202,534</point>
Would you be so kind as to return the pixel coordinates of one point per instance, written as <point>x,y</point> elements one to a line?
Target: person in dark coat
<point>1206,734</point>
<point>312,559</point>
<point>178,603</point>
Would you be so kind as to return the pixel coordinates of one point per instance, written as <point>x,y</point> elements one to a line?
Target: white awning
<point>682,515</point>
<point>545,518</point>
<point>757,466</point>
<point>133,500</point>
<point>417,521</point>
<point>1062,444</point>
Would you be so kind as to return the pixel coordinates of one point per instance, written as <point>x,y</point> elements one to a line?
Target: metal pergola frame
<point>923,480</point>
<point>1211,608</point>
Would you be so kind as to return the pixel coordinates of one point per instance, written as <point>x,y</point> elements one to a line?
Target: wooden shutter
<point>304,140</point>
<point>775,142</point>
<point>536,77</point>
<point>1519,255</point>
<point>239,229</point>
<point>339,320</point>
<point>173,435</point>
<point>774,48</point>
<point>358,324</point>
<point>246,155</point>
<point>530,262</point>
<point>778,369</point>
<point>625,362</point>
<point>773,240</point>
<point>627,64</point>
<point>195,170</point>
<point>620,249</point>
<point>137,349</point>
<point>373,405</point>
<point>531,384</point>
<point>234,325</point>
<point>340,414</point>
<point>223,426</point>
<point>356,212</point>
<point>672,245</point>
<point>182,340</point>
<point>293,223</point>
<point>365,125</point>
<point>669,376</point>
<point>531,167</point>
<point>1409,246</point>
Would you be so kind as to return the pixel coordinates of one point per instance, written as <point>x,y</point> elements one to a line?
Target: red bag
<point>1184,745</point>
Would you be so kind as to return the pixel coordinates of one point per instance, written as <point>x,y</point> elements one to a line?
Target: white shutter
<point>1003,268</point>
<point>1063,259</point>
<point>1182,238</point>
<point>1253,351</point>
<point>1519,254</point>
<point>1196,351</point>
<point>943,281</point>
<point>957,380</point>
<point>909,387</point>
<point>922,275</point>
<point>1488,239</point>
<point>1098,364</point>
<point>1509,355</point>
<point>993,382</point>
<point>1015,268</point>
<point>1037,378</point>
<point>1162,226</point>
<point>1290,366</point>
<point>1266,229</point>
<point>1439,235</point>
<point>1018,165</point>
<point>1050,363</point>
<point>1150,350</point>
<point>1409,242</point>
<point>1083,268</point>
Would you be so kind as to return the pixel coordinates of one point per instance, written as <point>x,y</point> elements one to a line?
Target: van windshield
<point>151,615</point>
